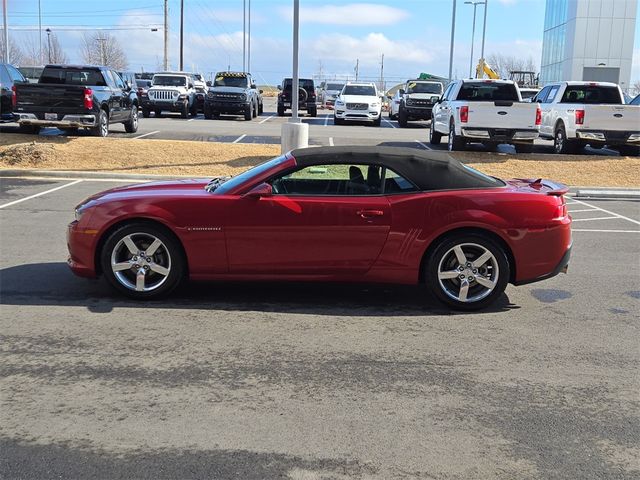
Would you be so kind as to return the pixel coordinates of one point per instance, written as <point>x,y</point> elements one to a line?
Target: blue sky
<point>413,34</point>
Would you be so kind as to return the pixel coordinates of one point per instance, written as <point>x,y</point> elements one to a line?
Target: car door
<point>549,111</point>
<point>5,91</point>
<point>320,220</point>
<point>442,116</point>
<point>115,96</point>
<point>122,95</point>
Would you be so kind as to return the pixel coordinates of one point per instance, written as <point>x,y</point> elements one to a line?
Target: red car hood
<point>152,189</point>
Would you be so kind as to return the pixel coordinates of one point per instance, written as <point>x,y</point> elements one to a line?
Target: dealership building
<point>588,40</point>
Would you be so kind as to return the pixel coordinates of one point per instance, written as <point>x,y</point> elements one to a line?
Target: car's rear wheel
<point>280,111</point>
<point>434,137</point>
<point>561,144</point>
<point>207,113</point>
<point>455,142</point>
<point>146,113</point>
<point>131,126</point>
<point>524,147</point>
<point>158,113</point>
<point>102,127</point>
<point>313,112</point>
<point>142,261</point>
<point>467,271</point>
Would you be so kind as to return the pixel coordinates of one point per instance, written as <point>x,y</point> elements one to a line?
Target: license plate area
<point>51,116</point>
<point>287,104</point>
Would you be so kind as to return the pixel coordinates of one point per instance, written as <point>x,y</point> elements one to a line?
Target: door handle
<point>370,213</point>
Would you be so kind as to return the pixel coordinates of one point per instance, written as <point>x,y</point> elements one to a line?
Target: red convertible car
<point>348,214</point>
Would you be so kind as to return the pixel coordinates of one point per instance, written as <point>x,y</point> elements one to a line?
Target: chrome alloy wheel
<point>468,272</point>
<point>141,262</point>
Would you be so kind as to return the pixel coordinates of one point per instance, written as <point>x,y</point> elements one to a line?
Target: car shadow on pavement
<point>53,284</point>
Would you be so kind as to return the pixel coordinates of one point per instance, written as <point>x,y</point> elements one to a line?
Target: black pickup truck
<point>76,96</point>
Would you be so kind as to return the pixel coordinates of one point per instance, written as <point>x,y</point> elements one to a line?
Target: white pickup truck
<point>575,114</point>
<point>485,111</point>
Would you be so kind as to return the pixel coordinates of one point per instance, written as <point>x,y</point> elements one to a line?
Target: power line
<point>90,12</point>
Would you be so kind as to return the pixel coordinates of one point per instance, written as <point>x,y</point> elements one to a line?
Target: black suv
<point>233,93</point>
<point>306,96</point>
<point>9,76</point>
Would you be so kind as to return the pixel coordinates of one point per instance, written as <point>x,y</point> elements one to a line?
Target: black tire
<point>131,125</point>
<point>444,259</point>
<point>491,146</point>
<point>402,118</point>
<point>146,113</point>
<point>434,137</point>
<point>70,130</point>
<point>102,128</point>
<point>260,108</point>
<point>524,147</point>
<point>158,113</point>
<point>378,121</point>
<point>455,142</point>
<point>194,109</point>
<point>248,112</point>
<point>562,145</point>
<point>255,110</point>
<point>313,112</point>
<point>391,117</point>
<point>208,114</point>
<point>337,121</point>
<point>184,110</point>
<point>280,111</point>
<point>169,255</point>
<point>29,129</point>
<point>629,150</point>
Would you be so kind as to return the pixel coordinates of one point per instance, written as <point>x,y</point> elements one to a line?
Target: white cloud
<point>507,2</point>
<point>352,14</point>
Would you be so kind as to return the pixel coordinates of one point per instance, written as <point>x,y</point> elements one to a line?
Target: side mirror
<point>402,91</point>
<point>261,190</point>
<point>127,85</point>
<point>191,85</point>
<point>253,85</point>
<point>209,83</point>
<point>261,91</point>
<point>279,87</point>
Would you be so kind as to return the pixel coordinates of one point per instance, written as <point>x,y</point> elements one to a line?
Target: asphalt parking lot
<point>266,130</point>
<point>258,381</point>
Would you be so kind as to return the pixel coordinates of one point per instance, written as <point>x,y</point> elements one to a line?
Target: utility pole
<point>453,33</point>
<point>181,34</point>
<point>356,69</point>
<point>249,39</point>
<point>484,28</point>
<point>382,73</point>
<point>244,35</point>
<point>40,29</point>
<point>49,44</point>
<point>5,54</point>
<point>165,62</point>
<point>100,41</point>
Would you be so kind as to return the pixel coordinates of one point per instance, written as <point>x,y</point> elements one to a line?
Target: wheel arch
<point>126,221</point>
<point>462,231</point>
<point>559,122</point>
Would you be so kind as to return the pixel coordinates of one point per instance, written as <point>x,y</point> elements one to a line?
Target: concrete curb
<point>609,193</point>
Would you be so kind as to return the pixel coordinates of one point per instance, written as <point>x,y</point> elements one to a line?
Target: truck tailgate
<point>34,97</point>
<point>501,115</point>
<point>611,117</point>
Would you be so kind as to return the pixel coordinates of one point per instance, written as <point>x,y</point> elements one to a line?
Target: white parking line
<point>331,141</point>
<point>387,121</point>
<point>604,231</point>
<point>191,120</point>
<point>267,119</point>
<point>423,145</point>
<point>607,211</point>
<point>40,194</point>
<point>583,210</point>
<point>596,218</point>
<point>326,119</point>
<point>146,134</point>
<point>239,138</point>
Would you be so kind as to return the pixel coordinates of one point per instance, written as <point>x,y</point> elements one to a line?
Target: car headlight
<point>409,101</point>
<point>339,103</point>
<point>80,211</point>
<point>374,105</point>
<point>243,97</point>
<point>182,97</point>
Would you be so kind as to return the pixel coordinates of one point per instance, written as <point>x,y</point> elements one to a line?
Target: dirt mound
<point>30,154</point>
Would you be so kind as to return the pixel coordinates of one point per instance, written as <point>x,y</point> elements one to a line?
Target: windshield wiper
<point>215,183</point>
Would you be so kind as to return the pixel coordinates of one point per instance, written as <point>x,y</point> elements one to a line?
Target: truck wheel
<point>391,117</point>
<point>524,147</point>
<point>337,121</point>
<point>248,114</point>
<point>561,144</point>
<point>402,118</point>
<point>102,128</point>
<point>146,113</point>
<point>280,111</point>
<point>434,137</point>
<point>207,113</point>
<point>378,121</point>
<point>184,111</point>
<point>455,142</point>
<point>255,110</point>
<point>629,150</point>
<point>260,109</point>
<point>158,113</point>
<point>30,129</point>
<point>313,112</point>
<point>131,125</point>
<point>194,109</point>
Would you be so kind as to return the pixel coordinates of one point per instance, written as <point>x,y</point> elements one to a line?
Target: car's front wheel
<point>142,261</point>
<point>131,125</point>
<point>467,271</point>
<point>434,137</point>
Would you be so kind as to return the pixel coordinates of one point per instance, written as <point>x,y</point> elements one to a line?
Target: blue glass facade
<point>554,40</point>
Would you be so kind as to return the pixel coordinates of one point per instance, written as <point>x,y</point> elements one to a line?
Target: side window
<point>541,96</point>
<point>552,94</point>
<point>118,80</point>
<point>341,179</point>
<point>15,75</point>
<point>394,183</point>
<point>450,93</point>
<point>445,95</point>
<point>5,79</point>
<point>109,78</point>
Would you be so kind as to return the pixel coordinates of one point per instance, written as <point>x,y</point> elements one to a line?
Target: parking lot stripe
<point>326,119</point>
<point>146,134</point>
<point>423,145</point>
<point>191,120</point>
<point>583,210</point>
<point>596,218</point>
<point>604,231</point>
<point>239,138</point>
<point>267,119</point>
<point>331,141</point>
<point>607,211</point>
<point>387,121</point>
<point>40,194</point>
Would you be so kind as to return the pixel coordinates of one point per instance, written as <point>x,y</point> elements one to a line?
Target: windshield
<point>143,83</point>
<point>233,182</point>
<point>591,94</point>
<point>168,81</point>
<point>368,90</point>
<point>334,86</point>
<point>415,87</point>
<point>303,82</point>
<point>488,92</point>
<point>230,81</point>
<point>199,77</point>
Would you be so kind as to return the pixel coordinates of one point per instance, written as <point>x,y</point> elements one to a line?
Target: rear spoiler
<point>546,186</point>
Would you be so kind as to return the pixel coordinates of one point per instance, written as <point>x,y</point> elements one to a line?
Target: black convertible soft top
<point>428,170</point>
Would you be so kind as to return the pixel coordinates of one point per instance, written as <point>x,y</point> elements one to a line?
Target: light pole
<point>49,42</point>
<point>473,31</point>
<point>453,33</point>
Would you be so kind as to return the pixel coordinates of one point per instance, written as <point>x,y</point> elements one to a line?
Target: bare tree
<point>503,64</point>
<point>103,49</point>
<point>52,52</point>
<point>56,54</point>
<point>16,55</point>
<point>635,87</point>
